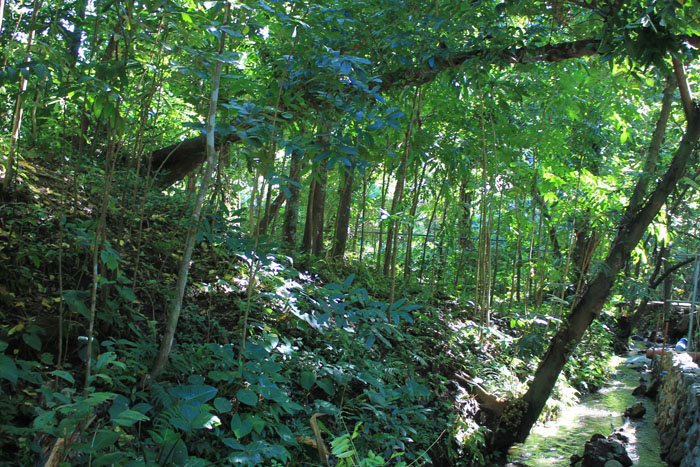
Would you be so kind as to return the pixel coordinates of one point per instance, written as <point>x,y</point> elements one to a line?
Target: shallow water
<point>553,443</point>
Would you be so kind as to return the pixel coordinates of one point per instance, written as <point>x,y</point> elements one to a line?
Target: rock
<point>620,437</point>
<point>612,463</point>
<point>640,390</point>
<point>638,361</point>
<point>637,411</point>
<point>653,390</point>
<point>600,450</point>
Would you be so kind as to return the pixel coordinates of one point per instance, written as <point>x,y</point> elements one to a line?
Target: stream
<point>554,442</point>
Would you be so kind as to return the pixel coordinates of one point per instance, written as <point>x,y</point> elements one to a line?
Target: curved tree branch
<point>654,284</point>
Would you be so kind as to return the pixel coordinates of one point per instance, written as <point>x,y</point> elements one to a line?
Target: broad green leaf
<point>128,417</point>
<point>105,438</point>
<point>273,393</point>
<point>348,281</point>
<point>241,427</point>
<point>307,379</point>
<point>247,397</point>
<point>63,374</point>
<point>327,385</point>
<point>222,405</point>
<point>8,369</point>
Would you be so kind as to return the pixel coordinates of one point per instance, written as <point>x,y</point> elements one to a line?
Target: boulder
<point>640,390</point>
<point>600,450</point>
<point>636,411</point>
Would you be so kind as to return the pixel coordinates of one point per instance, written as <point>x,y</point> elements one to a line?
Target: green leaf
<point>8,369</point>
<point>111,458</point>
<point>105,438</point>
<point>258,423</point>
<point>222,405</point>
<point>247,397</point>
<point>307,380</point>
<point>104,359</point>
<point>63,374</point>
<point>327,385</point>
<point>217,375</point>
<point>348,281</point>
<point>348,150</point>
<point>97,398</point>
<point>273,393</point>
<point>240,427</point>
<point>128,417</point>
<point>126,293</point>
<point>110,259</point>
<point>624,136</point>
<point>44,422</point>
<point>195,393</point>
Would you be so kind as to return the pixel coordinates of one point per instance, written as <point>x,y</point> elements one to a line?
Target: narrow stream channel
<point>554,442</point>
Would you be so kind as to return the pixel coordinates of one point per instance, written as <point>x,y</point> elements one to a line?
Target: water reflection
<point>553,443</point>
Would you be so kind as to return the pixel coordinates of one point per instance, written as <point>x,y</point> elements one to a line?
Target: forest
<point>348,233</point>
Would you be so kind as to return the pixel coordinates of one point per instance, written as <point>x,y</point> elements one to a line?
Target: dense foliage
<point>364,222</point>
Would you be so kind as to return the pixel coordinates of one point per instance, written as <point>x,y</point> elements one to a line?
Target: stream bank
<point>553,443</point>
<point>678,404</point>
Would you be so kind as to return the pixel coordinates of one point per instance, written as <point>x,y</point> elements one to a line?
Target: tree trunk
<point>307,242</point>
<point>418,183</point>
<point>275,206</point>
<point>9,181</point>
<point>363,215</point>
<point>319,210</point>
<point>498,242</point>
<point>430,224</point>
<point>313,229</point>
<point>291,212</point>
<point>441,256</point>
<point>392,231</point>
<point>342,220</point>
<point>381,220</point>
<point>521,414</point>
<point>176,306</point>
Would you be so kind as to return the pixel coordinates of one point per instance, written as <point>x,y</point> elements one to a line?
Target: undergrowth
<point>376,378</point>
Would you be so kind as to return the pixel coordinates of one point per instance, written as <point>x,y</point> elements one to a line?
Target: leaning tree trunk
<point>521,414</point>
<point>176,305</point>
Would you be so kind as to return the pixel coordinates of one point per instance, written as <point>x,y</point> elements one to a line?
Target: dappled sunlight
<point>553,442</point>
